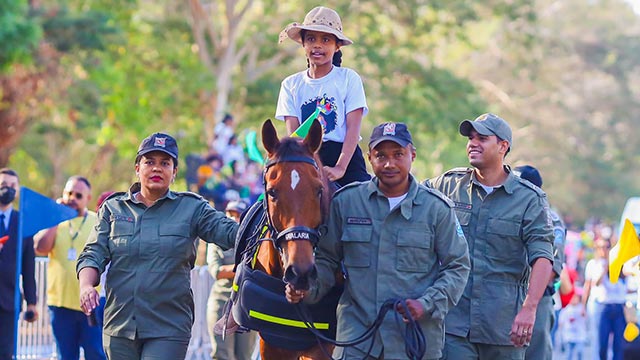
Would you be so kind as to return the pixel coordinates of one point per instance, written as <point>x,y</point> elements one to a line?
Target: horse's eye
<point>272,194</point>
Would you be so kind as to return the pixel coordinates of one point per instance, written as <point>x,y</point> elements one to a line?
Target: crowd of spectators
<point>592,319</point>
<point>225,173</point>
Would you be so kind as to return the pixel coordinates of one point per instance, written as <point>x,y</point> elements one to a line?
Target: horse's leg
<point>268,352</point>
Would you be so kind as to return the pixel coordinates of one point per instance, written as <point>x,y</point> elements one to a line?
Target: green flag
<point>252,148</point>
<point>303,130</point>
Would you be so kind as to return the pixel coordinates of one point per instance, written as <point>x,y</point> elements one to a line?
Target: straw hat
<point>320,19</point>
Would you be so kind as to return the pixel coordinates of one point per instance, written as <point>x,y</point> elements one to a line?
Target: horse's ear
<point>270,139</point>
<point>313,140</point>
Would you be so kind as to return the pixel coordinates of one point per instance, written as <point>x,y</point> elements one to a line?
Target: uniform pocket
<point>120,237</point>
<point>504,239</point>
<point>356,245</point>
<point>414,250</point>
<point>175,240</point>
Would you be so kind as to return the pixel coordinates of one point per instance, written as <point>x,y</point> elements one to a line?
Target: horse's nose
<point>300,278</point>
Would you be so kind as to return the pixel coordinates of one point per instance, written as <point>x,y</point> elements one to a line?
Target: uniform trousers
<point>119,348</point>
<point>461,348</point>
<point>541,347</point>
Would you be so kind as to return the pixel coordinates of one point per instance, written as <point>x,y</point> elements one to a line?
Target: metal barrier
<point>35,340</point>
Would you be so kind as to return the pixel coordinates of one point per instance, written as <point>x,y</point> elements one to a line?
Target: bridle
<point>293,233</point>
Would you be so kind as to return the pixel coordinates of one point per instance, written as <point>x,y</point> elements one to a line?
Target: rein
<point>414,338</point>
<point>294,233</point>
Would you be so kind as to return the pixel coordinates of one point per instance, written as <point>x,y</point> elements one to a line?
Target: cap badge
<point>160,141</point>
<point>389,129</point>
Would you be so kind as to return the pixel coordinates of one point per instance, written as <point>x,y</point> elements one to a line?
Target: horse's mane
<point>291,146</point>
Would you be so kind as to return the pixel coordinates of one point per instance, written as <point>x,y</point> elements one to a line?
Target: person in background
<point>235,154</point>
<point>148,236</point>
<point>211,183</point>
<point>395,239</point>
<point>235,346</point>
<point>63,243</point>
<point>507,226</point>
<point>334,93</point>
<point>99,311</point>
<point>612,321</point>
<point>222,134</point>
<point>573,327</point>
<point>9,187</point>
<point>593,293</point>
<point>541,346</point>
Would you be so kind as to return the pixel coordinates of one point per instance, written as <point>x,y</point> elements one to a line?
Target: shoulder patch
<point>439,195</point>
<point>526,183</point>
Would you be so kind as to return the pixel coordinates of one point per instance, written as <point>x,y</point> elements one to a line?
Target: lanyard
<point>71,234</point>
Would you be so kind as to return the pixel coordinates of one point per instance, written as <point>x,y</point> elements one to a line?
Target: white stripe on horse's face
<point>295,179</point>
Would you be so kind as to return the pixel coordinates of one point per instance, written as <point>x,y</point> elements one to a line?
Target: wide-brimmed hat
<point>320,19</point>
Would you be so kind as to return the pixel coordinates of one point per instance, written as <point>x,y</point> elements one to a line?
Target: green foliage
<point>128,68</point>
<point>88,30</point>
<point>19,33</point>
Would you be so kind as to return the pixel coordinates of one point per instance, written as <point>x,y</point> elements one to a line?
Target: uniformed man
<point>508,230</point>
<point>541,347</point>
<point>396,239</point>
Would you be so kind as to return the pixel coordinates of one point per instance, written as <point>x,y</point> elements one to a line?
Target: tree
<point>571,97</point>
<point>232,38</point>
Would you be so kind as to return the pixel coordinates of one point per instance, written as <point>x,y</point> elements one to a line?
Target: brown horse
<point>296,198</point>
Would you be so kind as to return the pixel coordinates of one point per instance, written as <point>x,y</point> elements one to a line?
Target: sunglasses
<point>77,195</point>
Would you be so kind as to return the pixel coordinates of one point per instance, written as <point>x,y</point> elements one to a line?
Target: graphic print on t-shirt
<point>327,116</point>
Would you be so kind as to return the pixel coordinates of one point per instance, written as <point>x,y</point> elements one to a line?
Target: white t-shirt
<point>223,133</point>
<point>573,324</point>
<point>592,272</point>
<point>394,201</point>
<point>336,94</point>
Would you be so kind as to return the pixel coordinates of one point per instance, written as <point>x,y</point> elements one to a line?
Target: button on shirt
<point>507,231</point>
<point>152,251</point>
<point>415,251</point>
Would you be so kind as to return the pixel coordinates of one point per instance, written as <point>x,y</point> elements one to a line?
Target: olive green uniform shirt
<point>507,231</point>
<point>152,251</point>
<point>415,251</point>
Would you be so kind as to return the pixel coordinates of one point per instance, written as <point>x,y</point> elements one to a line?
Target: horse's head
<point>294,191</point>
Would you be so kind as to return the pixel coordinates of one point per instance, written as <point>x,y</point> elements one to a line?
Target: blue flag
<point>39,212</point>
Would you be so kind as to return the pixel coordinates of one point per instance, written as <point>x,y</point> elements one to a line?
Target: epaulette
<point>531,186</point>
<point>117,193</point>
<point>439,195</point>
<point>188,193</point>
<point>458,170</point>
<point>349,186</point>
